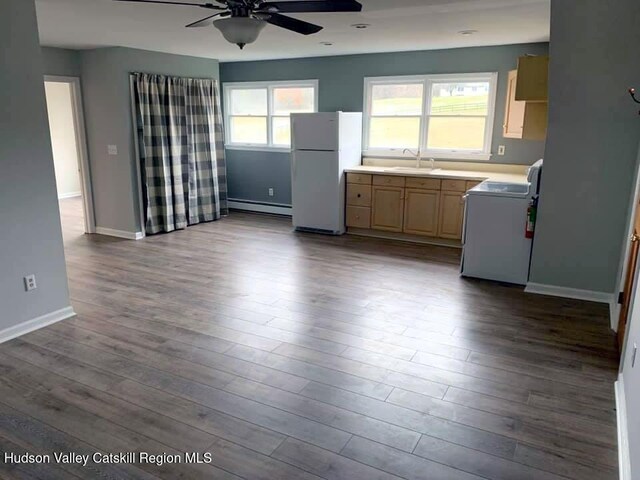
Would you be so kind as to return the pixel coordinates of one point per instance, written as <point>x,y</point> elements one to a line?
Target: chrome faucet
<point>418,156</point>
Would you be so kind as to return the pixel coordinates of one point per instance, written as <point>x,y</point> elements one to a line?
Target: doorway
<point>68,142</point>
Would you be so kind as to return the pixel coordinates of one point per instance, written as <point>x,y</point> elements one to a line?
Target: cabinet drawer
<point>359,195</point>
<point>472,183</point>
<point>360,178</point>
<point>358,217</point>
<point>426,183</point>
<point>454,185</point>
<point>388,181</point>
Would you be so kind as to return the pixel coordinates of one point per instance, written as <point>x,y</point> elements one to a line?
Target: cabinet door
<point>451,215</point>
<point>421,210</point>
<point>388,208</point>
<point>514,114</point>
<point>533,79</point>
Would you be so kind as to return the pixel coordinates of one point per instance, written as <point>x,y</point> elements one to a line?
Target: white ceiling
<point>396,25</point>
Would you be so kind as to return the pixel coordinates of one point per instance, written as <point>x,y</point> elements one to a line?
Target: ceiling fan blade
<point>311,6</point>
<point>293,24</point>
<point>210,6</point>
<point>206,22</point>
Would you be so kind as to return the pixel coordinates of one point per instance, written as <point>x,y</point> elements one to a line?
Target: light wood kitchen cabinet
<point>421,210</point>
<point>451,215</point>
<point>533,79</point>
<point>417,206</point>
<point>359,195</point>
<point>358,217</point>
<point>387,208</point>
<point>524,120</point>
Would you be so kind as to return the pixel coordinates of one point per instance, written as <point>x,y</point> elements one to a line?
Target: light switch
<point>112,149</point>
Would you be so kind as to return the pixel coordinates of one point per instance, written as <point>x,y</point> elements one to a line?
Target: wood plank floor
<point>294,356</point>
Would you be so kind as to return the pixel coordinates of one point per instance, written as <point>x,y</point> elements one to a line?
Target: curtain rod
<point>172,76</point>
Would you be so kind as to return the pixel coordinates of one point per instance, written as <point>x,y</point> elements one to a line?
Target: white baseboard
<point>119,233</point>
<point>624,460</point>
<point>69,195</point>
<point>249,206</point>
<point>565,292</point>
<point>36,323</point>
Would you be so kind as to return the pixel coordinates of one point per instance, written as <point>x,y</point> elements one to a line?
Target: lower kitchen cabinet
<point>451,215</point>
<point>358,217</point>
<point>387,208</point>
<point>421,210</point>
<point>416,206</point>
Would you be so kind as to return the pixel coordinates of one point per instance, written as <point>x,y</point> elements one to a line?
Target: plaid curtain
<point>181,149</point>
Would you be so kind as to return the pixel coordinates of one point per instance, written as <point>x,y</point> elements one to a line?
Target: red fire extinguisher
<point>532,212</point>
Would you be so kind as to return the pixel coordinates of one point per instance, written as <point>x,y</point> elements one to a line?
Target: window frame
<point>270,87</point>
<point>428,82</point>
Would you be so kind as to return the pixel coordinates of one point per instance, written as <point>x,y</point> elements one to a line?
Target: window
<point>257,114</point>
<point>443,116</point>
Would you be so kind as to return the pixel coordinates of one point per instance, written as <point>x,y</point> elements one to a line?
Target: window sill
<point>479,157</point>
<point>258,148</point>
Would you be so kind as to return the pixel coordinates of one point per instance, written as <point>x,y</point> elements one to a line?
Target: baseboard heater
<point>260,207</point>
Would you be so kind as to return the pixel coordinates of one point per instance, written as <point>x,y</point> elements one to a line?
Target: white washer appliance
<point>495,246</point>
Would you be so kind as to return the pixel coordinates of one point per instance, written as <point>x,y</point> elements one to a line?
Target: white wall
<point>30,237</point>
<point>63,138</point>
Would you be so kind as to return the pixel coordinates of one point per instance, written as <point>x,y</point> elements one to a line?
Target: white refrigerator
<point>323,146</point>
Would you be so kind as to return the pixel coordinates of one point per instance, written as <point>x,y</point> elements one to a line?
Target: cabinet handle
<point>359,195</point>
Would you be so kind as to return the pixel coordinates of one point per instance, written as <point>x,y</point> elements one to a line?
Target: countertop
<point>441,173</point>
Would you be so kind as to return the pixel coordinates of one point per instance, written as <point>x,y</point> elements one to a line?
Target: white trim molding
<point>624,460</point>
<point>35,324</point>
<point>119,233</point>
<point>565,292</point>
<point>82,149</point>
<point>260,207</point>
<point>614,313</point>
<point>69,195</point>
<point>268,115</point>
<point>425,116</point>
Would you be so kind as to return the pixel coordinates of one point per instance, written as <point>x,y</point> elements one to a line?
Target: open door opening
<point>64,107</point>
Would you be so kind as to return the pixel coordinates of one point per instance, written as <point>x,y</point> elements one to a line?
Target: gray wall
<point>107,106</point>
<point>590,159</point>
<point>61,62</point>
<point>341,78</point>
<point>30,236</point>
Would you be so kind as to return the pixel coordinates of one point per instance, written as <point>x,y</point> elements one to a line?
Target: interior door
<point>632,263</point>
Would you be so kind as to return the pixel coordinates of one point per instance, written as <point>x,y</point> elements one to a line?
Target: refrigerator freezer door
<point>315,131</point>
<point>316,191</point>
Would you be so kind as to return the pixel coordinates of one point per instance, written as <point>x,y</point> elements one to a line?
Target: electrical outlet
<point>501,150</point>
<point>30,283</point>
<point>271,192</point>
<point>112,149</point>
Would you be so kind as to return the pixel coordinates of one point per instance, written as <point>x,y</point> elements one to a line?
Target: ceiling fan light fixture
<point>240,30</point>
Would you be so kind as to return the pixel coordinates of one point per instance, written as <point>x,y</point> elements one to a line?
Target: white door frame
<point>614,308</point>
<point>81,147</point>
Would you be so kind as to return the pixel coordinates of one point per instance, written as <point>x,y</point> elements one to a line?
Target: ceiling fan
<point>241,21</point>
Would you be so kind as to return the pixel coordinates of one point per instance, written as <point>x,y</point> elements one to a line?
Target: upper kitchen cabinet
<point>533,79</point>
<point>527,96</point>
<point>524,120</point>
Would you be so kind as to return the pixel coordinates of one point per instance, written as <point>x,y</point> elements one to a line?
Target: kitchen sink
<point>412,169</point>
